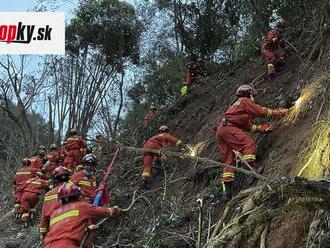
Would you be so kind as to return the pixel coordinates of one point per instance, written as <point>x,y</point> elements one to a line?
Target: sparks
<point>305,96</point>
<point>194,150</point>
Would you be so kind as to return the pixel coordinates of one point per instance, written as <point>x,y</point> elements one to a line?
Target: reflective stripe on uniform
<point>23,173</point>
<point>269,112</point>
<point>33,182</point>
<point>86,183</point>
<point>237,103</point>
<point>146,174</point>
<point>72,139</point>
<point>42,230</point>
<point>249,157</point>
<point>228,174</point>
<point>51,197</point>
<point>68,214</point>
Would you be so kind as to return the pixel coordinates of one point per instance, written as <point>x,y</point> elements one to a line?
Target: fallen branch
<point>194,158</point>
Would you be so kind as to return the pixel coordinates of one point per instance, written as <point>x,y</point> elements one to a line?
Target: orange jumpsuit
<point>68,223</point>
<point>156,142</point>
<point>75,147</point>
<point>36,162</point>
<point>232,132</point>
<point>87,184</point>
<point>51,203</point>
<point>272,49</point>
<point>148,118</point>
<point>30,196</point>
<point>53,158</point>
<point>21,176</point>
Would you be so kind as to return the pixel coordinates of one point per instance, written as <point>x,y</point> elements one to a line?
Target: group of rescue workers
<point>67,174</point>
<point>232,129</point>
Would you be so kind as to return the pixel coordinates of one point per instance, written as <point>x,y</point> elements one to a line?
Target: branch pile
<point>244,221</point>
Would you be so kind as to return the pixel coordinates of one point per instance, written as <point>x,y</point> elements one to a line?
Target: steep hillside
<point>167,215</point>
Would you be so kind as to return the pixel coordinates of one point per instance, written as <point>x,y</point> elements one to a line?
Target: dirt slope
<point>166,216</point>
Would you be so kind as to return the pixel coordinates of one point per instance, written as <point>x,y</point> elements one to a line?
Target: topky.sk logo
<point>32,33</point>
<point>21,33</point>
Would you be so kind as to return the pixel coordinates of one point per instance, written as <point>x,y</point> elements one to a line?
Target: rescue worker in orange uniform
<point>23,174</point>
<point>195,71</point>
<point>53,160</point>
<point>273,48</point>
<point>30,197</point>
<point>85,178</point>
<point>75,148</point>
<point>69,221</point>
<point>149,115</point>
<point>38,159</point>
<point>232,132</point>
<point>156,142</point>
<point>60,176</point>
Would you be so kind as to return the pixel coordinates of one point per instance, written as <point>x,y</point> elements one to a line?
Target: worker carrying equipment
<point>232,132</point>
<point>156,142</point>
<point>149,115</point>
<point>75,148</point>
<point>69,221</point>
<point>273,46</point>
<point>22,174</point>
<point>60,176</point>
<point>30,197</point>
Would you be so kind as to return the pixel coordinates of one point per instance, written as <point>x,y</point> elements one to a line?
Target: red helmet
<point>163,129</point>
<point>245,91</point>
<point>60,171</point>
<point>68,190</point>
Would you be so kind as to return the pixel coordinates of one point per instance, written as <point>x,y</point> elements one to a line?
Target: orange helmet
<point>245,91</point>
<point>163,129</point>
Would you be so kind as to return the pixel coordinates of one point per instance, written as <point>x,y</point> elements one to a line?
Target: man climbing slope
<point>156,142</point>
<point>69,222</point>
<point>23,174</point>
<point>232,132</point>
<point>75,148</point>
<point>60,176</point>
<point>273,48</point>
<point>149,115</point>
<point>30,197</point>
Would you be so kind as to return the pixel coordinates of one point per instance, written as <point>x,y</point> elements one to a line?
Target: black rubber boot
<point>227,191</point>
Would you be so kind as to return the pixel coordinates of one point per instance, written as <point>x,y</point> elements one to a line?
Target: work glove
<point>280,112</point>
<point>265,128</point>
<point>117,211</point>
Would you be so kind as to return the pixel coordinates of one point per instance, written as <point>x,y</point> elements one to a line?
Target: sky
<point>28,5</point>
